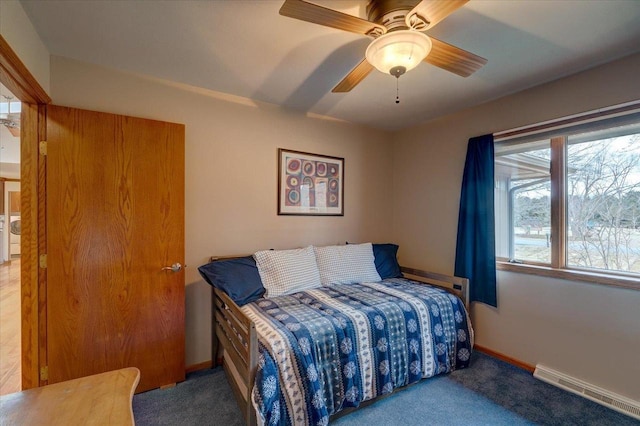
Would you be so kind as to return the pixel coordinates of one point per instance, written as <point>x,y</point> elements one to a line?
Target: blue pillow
<point>238,277</point>
<point>386,260</point>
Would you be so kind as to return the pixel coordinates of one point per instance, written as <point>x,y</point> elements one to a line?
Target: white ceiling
<point>246,48</point>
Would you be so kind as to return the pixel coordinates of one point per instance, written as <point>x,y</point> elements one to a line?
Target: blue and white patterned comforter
<point>333,347</point>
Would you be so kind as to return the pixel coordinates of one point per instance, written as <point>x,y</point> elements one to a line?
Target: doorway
<point>10,247</point>
<point>15,76</point>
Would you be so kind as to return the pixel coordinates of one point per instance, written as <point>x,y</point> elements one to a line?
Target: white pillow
<point>348,264</point>
<point>287,271</point>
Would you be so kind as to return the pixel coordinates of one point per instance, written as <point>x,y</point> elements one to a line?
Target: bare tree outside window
<point>532,222</point>
<point>603,204</point>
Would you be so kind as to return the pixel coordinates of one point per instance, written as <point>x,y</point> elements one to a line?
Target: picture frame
<point>310,184</point>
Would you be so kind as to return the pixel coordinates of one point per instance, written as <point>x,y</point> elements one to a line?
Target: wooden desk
<point>101,399</point>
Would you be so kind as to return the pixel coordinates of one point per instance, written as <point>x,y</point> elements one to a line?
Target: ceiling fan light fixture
<point>403,48</point>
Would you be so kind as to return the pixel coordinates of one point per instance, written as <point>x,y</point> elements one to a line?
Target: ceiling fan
<point>11,120</point>
<point>397,28</point>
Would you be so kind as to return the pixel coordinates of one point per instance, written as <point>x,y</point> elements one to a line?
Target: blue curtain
<point>475,249</point>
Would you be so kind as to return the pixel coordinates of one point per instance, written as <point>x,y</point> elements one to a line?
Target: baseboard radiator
<point>589,391</point>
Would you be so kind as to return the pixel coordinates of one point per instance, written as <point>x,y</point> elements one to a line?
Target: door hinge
<point>43,147</point>
<point>44,373</point>
<point>43,261</point>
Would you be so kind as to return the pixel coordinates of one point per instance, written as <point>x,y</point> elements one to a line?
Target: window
<point>603,194</point>
<point>523,202</point>
<point>569,199</point>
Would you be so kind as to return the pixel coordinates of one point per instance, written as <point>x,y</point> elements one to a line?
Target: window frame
<point>558,267</point>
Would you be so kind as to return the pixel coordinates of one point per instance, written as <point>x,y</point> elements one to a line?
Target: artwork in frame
<point>310,184</point>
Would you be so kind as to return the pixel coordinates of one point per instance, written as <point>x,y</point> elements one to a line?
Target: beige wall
<point>588,331</point>
<point>17,30</point>
<point>231,167</point>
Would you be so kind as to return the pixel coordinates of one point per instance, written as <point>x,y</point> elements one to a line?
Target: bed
<point>310,356</point>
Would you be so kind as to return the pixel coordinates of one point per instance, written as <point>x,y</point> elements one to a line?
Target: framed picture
<point>310,184</point>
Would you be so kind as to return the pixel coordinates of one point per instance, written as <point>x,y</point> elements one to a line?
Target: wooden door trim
<point>29,240</point>
<point>17,78</point>
<point>41,235</point>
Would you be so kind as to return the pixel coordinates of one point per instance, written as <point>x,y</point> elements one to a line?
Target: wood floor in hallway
<point>10,377</point>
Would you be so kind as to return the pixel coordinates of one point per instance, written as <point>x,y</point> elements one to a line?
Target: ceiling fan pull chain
<point>397,90</point>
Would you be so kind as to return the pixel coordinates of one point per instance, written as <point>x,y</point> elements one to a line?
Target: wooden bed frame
<point>235,334</point>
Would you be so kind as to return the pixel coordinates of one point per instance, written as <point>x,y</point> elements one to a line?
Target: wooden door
<point>115,218</point>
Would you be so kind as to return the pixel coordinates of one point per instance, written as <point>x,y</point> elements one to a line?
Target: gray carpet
<point>490,392</point>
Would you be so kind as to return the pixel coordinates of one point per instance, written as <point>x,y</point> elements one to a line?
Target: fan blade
<point>15,131</point>
<point>453,59</point>
<point>433,11</point>
<point>315,14</point>
<point>354,77</point>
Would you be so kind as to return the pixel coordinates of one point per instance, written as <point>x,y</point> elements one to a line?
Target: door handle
<point>176,267</point>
